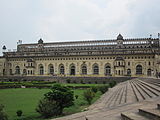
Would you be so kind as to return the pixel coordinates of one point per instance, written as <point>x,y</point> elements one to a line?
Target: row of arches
<point>72,69</point>
<point>84,69</point>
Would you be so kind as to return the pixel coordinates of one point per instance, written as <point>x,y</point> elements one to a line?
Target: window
<point>95,69</point>
<point>128,63</point>
<point>138,69</point>
<point>17,70</point>
<point>84,70</point>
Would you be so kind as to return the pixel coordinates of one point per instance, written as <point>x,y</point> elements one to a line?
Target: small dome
<point>40,41</point>
<point>4,47</point>
<point>119,37</point>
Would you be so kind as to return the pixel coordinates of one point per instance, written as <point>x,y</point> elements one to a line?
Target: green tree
<point>47,108</point>
<point>88,96</point>
<point>62,95</point>
<point>3,115</point>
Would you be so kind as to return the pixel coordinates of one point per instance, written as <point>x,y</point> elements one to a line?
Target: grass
<point>27,100</point>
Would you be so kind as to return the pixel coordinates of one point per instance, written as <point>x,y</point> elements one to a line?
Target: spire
<point>4,47</point>
<point>40,41</point>
<point>119,37</point>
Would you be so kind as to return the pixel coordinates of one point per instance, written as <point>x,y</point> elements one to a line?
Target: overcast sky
<point>71,20</point>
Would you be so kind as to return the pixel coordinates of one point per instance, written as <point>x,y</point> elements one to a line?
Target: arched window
<point>139,69</point>
<point>84,70</point>
<point>61,69</point>
<point>51,69</point>
<point>41,70</point>
<point>72,70</point>
<point>108,70</point>
<point>149,72</point>
<point>128,71</point>
<point>95,69</point>
<point>17,70</point>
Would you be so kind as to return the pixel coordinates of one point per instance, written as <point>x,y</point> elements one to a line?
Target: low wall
<point>90,80</point>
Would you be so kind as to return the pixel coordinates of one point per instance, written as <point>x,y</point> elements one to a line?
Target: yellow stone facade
<point>100,58</point>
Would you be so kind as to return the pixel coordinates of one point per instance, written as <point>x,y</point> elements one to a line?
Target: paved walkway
<point>127,96</point>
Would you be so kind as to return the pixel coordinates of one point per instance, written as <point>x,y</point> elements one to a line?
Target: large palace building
<point>95,58</point>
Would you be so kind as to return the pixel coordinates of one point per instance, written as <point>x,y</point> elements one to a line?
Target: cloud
<point>68,20</point>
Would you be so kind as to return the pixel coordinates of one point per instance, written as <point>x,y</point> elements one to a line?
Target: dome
<point>4,47</point>
<point>40,41</point>
<point>119,37</point>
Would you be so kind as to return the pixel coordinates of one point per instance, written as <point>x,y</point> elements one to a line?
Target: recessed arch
<point>17,70</point>
<point>84,69</point>
<point>50,69</point>
<point>108,69</point>
<point>41,69</point>
<point>139,69</point>
<point>72,69</point>
<point>95,69</point>
<point>61,69</point>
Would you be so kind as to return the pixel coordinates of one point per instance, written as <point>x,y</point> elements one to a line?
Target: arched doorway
<point>72,70</point>
<point>128,71</point>
<point>149,72</point>
<point>61,69</point>
<point>41,70</point>
<point>95,69</point>
<point>84,70</point>
<point>139,69</point>
<point>51,69</point>
<point>17,70</point>
<point>107,70</point>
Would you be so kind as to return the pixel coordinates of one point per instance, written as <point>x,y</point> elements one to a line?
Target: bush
<point>112,83</point>
<point>3,115</point>
<point>19,113</point>
<point>68,81</point>
<point>76,96</point>
<point>62,95</point>
<point>103,89</point>
<point>94,89</point>
<point>48,108</point>
<point>88,96</point>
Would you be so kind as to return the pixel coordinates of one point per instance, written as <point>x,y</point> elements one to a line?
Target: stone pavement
<point>128,101</point>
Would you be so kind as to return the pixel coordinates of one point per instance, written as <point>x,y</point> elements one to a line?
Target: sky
<point>71,20</point>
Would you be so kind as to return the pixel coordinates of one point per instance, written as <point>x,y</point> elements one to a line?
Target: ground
<point>26,99</point>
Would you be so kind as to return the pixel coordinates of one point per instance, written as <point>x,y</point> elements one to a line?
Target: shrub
<point>68,81</point>
<point>19,113</point>
<point>94,89</point>
<point>3,115</point>
<point>82,82</point>
<point>76,96</point>
<point>62,95</point>
<point>48,108</point>
<point>88,96</point>
<point>103,89</point>
<point>112,83</point>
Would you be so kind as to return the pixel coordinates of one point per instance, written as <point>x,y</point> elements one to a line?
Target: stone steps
<point>151,92</point>
<point>143,114</point>
<point>133,116</point>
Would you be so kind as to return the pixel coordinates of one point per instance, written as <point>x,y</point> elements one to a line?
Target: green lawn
<point>27,100</point>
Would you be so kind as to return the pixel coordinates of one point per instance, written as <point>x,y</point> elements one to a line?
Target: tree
<point>88,96</point>
<point>3,115</point>
<point>62,95</point>
<point>47,108</point>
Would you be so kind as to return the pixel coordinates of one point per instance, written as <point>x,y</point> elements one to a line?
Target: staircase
<point>143,114</point>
